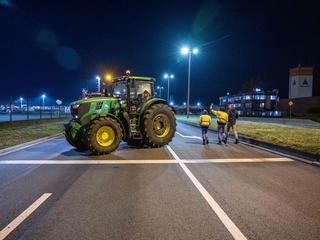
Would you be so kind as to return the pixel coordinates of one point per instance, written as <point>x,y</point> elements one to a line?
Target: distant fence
<point>25,110</point>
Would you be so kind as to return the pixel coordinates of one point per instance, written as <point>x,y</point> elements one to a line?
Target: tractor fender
<point>124,130</point>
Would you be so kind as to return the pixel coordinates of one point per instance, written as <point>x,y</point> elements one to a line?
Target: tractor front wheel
<point>75,137</point>
<point>104,135</point>
<point>159,125</point>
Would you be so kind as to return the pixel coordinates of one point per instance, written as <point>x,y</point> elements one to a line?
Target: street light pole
<point>160,88</point>
<point>168,96</point>
<point>99,83</point>
<point>43,97</point>
<point>189,73</point>
<point>189,52</point>
<point>168,76</point>
<point>21,99</point>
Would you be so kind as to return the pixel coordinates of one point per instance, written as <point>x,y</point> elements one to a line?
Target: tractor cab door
<point>140,92</point>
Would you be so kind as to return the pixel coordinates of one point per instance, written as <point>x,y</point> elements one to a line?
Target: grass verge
<point>19,132</point>
<point>304,139</point>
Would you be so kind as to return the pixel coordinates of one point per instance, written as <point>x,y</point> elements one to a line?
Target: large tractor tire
<point>104,135</point>
<point>159,125</point>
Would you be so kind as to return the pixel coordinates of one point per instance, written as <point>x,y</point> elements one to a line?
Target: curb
<point>302,156</point>
<point>22,146</point>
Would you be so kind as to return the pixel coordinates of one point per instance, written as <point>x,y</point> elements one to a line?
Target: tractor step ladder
<point>135,133</point>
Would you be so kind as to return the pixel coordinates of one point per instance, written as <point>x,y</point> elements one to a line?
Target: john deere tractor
<point>128,111</point>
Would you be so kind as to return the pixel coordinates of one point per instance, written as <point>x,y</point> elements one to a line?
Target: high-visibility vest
<point>205,120</point>
<point>222,116</point>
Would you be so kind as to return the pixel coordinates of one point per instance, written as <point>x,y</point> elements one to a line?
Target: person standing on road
<point>232,120</point>
<point>205,122</point>
<point>222,119</point>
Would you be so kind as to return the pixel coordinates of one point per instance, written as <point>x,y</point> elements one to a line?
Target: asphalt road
<point>184,191</point>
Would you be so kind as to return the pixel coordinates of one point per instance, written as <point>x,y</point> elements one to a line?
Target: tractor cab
<point>132,91</point>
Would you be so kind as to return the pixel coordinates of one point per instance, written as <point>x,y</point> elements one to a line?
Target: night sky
<point>57,47</point>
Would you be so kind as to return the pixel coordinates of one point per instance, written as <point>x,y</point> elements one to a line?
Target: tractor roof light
<point>108,77</point>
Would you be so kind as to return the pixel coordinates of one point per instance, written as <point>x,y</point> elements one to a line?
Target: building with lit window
<point>255,103</point>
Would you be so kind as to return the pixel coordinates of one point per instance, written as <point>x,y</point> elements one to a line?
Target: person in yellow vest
<point>222,119</point>
<point>205,122</point>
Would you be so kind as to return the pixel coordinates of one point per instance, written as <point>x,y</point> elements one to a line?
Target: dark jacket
<point>233,115</point>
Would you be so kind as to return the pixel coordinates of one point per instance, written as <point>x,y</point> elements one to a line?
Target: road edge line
<point>22,146</point>
<point>23,216</point>
<point>227,222</point>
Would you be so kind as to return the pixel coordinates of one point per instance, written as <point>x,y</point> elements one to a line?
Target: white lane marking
<point>26,213</point>
<point>93,162</point>
<point>231,227</point>
<point>238,160</point>
<point>184,136</point>
<point>160,161</point>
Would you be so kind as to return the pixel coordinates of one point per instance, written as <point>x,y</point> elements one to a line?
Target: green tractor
<point>128,111</point>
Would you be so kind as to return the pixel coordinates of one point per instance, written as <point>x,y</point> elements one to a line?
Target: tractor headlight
<point>75,106</point>
<point>123,103</point>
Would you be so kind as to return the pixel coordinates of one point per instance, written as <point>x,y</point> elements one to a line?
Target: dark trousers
<point>204,131</point>
<point>221,131</point>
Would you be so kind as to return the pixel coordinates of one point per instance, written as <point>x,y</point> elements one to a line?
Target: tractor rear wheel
<point>104,135</point>
<point>159,125</point>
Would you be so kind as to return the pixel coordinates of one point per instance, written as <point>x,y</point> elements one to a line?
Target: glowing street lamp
<point>43,96</point>
<point>168,77</point>
<point>187,51</point>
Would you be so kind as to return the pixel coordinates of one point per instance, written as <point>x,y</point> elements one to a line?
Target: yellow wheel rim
<point>161,125</point>
<point>105,136</point>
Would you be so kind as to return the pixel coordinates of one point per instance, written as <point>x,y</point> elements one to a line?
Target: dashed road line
<point>227,222</point>
<point>23,216</point>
